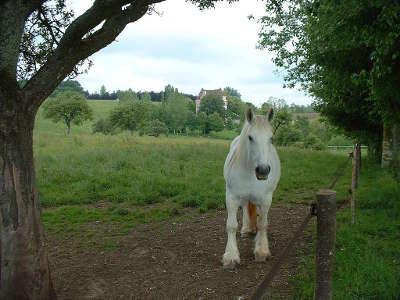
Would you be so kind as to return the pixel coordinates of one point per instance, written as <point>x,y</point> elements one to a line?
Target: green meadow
<point>125,179</point>
<point>130,172</point>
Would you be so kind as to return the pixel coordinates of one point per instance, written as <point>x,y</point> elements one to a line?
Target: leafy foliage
<point>280,110</point>
<point>103,126</point>
<point>232,92</point>
<point>344,53</point>
<point>68,107</point>
<point>43,30</point>
<point>126,96</point>
<point>212,104</point>
<point>130,115</point>
<point>154,128</point>
<point>175,111</point>
<point>69,85</point>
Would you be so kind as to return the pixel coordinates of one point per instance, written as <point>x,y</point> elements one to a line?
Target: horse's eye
<point>250,138</point>
<point>271,140</point>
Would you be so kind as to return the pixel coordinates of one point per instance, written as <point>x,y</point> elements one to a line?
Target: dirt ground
<point>174,260</point>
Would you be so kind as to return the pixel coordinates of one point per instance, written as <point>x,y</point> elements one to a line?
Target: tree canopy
<point>69,107</point>
<point>212,104</point>
<point>346,54</point>
<point>69,85</point>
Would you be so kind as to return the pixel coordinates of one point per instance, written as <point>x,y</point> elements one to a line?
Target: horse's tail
<point>252,209</point>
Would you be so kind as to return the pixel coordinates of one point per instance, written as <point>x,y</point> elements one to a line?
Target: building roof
<point>217,92</point>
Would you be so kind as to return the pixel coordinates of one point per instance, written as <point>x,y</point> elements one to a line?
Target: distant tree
<point>69,85</point>
<point>169,90</point>
<point>176,112</point>
<point>274,102</point>
<point>201,122</point>
<point>303,124</point>
<point>232,92</point>
<point>153,128</point>
<point>236,107</point>
<point>103,126</point>
<point>212,104</point>
<point>68,107</point>
<point>295,108</point>
<point>282,116</point>
<point>130,115</point>
<point>126,96</point>
<point>191,105</point>
<point>214,123</point>
<point>287,136</point>
<point>103,91</point>
<point>145,96</point>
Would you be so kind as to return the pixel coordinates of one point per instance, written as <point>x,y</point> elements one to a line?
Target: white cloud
<point>190,49</point>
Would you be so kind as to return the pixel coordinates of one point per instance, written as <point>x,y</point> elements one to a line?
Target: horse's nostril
<point>263,169</point>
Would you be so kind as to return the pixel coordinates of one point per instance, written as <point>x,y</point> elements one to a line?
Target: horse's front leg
<point>261,249</point>
<point>231,256</point>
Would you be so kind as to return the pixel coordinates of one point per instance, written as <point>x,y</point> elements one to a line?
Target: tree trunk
<point>24,272</point>
<point>375,151</point>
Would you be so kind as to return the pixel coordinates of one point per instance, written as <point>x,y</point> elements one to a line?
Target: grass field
<point>125,179</point>
<point>129,172</point>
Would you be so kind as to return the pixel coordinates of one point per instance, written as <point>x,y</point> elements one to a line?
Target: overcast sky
<point>190,49</point>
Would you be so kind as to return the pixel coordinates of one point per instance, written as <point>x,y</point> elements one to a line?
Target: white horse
<point>252,171</point>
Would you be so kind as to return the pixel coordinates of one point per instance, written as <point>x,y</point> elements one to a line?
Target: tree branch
<point>43,19</point>
<point>75,47</point>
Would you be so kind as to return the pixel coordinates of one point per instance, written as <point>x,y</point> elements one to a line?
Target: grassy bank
<point>368,253</point>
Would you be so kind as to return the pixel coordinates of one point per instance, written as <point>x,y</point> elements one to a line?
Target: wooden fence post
<point>326,235</point>
<point>353,187</point>
<point>357,157</point>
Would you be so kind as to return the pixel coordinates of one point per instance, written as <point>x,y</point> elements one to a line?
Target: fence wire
<point>340,171</point>
<point>262,287</point>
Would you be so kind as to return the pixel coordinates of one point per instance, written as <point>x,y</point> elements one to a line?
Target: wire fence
<point>325,210</point>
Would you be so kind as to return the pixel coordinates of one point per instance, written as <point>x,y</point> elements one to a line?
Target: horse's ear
<point>249,115</point>
<point>270,114</point>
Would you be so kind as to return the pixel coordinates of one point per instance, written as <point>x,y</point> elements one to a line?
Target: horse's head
<point>257,135</point>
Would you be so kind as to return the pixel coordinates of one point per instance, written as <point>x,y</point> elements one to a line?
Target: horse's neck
<point>240,156</point>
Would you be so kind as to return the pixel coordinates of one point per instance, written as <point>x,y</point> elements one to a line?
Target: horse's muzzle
<point>262,172</point>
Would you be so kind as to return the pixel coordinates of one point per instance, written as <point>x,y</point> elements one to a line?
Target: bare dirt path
<point>173,260</point>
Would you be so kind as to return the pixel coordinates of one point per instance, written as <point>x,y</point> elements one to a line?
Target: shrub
<point>103,126</point>
<point>153,128</point>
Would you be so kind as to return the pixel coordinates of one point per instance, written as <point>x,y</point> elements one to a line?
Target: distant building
<point>218,92</point>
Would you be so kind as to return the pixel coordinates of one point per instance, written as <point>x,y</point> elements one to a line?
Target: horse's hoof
<point>261,257</point>
<point>230,263</point>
